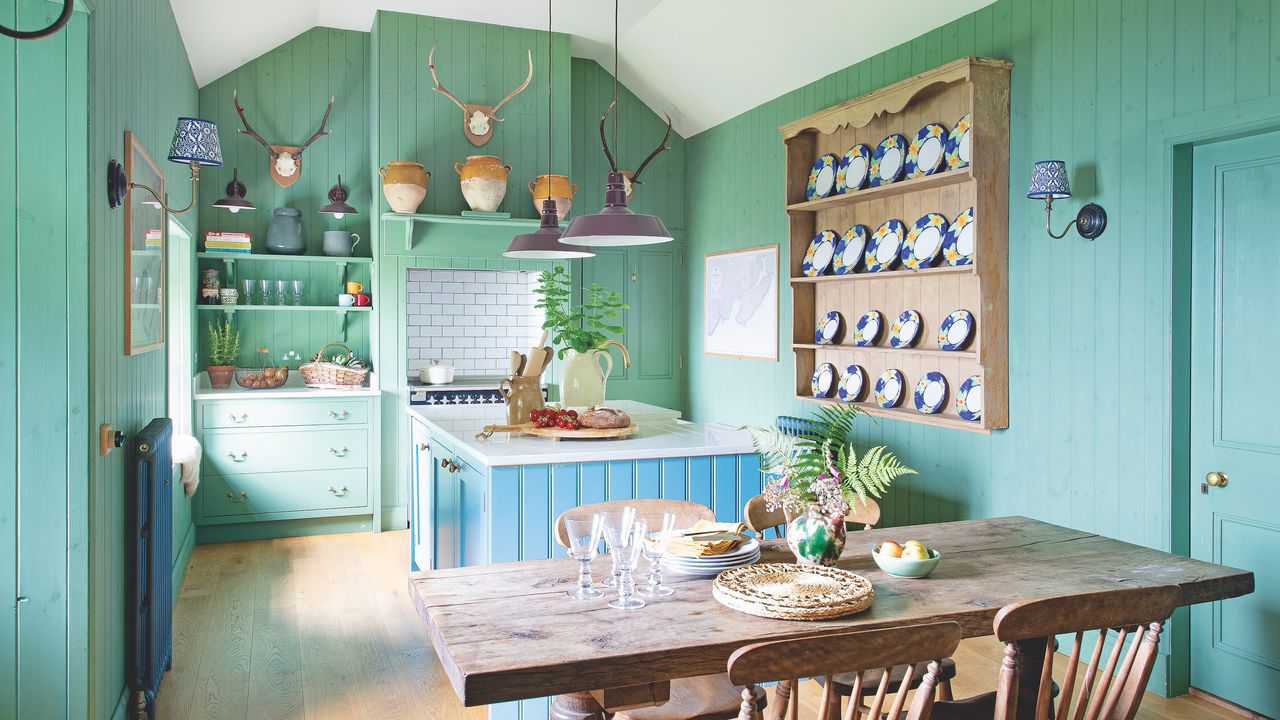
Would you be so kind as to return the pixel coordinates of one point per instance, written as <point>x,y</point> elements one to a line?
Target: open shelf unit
<point>979,87</point>
<point>455,223</point>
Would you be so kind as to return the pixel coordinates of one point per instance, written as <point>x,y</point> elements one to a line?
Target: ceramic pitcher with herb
<point>816,538</point>
<point>583,375</point>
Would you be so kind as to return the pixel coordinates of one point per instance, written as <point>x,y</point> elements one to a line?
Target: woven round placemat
<point>793,592</point>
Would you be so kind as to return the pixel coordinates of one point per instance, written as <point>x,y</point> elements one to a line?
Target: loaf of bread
<point>605,418</point>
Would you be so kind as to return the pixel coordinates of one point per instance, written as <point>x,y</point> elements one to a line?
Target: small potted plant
<point>224,349</point>
<point>582,332</point>
<point>816,475</point>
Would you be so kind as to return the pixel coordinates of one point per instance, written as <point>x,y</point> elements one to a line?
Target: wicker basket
<point>331,375</point>
<point>793,592</point>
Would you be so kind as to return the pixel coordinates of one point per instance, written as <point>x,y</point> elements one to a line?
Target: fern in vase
<point>819,464</point>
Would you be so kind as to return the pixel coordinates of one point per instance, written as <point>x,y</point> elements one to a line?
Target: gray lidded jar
<point>284,236</point>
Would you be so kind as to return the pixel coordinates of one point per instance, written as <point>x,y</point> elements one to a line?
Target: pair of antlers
<point>248,129</point>
<point>613,164</point>
<point>491,112</point>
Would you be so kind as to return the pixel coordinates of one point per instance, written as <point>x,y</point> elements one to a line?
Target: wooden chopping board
<point>560,433</point>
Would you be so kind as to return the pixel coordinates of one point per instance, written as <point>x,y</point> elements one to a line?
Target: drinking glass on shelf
<point>654,546</point>
<point>149,291</point>
<point>246,291</point>
<point>297,291</point>
<point>264,290</point>
<point>625,538</point>
<point>281,289</point>
<point>614,518</point>
<point>137,290</point>
<point>584,540</point>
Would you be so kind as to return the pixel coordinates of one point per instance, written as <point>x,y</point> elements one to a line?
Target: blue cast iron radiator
<point>151,588</point>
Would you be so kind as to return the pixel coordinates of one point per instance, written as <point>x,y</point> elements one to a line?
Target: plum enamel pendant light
<point>544,243</point>
<point>617,225</point>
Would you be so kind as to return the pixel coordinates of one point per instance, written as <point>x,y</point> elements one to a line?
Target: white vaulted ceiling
<point>704,61</point>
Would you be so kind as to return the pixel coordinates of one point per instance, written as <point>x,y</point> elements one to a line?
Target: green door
<point>1235,341</point>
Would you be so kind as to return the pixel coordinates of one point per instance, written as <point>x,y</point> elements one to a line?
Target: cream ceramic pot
<point>562,192</point>
<point>484,181</point>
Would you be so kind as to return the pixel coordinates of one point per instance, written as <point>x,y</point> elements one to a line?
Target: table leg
<point>576,706</point>
<point>1030,663</point>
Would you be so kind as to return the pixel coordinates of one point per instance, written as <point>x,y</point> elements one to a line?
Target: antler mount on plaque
<point>477,120</point>
<point>631,178</point>
<point>286,160</point>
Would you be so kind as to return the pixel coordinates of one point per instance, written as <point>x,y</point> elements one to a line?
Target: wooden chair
<point>758,517</point>
<point>861,653</point>
<point>709,697</point>
<point>1110,692</point>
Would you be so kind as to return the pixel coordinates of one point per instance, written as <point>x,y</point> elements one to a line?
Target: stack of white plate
<point>711,565</point>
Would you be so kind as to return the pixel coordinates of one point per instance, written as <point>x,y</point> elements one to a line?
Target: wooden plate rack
<point>980,87</point>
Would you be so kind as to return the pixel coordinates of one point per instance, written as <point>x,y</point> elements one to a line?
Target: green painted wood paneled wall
<point>43,396</point>
<point>662,191</point>
<point>139,80</point>
<point>1090,411</point>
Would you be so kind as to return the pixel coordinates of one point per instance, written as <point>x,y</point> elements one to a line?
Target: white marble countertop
<point>292,388</point>
<point>661,434</point>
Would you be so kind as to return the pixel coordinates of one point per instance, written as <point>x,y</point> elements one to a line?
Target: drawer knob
<point>244,495</point>
<point>338,493</point>
<point>241,418</point>
<point>339,414</point>
<point>424,447</point>
<point>339,452</point>
<point>238,457</point>
<point>444,463</point>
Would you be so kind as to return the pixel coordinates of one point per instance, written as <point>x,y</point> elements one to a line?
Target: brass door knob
<point>1216,479</point>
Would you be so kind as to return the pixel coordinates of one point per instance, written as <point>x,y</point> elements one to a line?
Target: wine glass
<point>297,292</point>
<point>264,289</point>
<point>654,546</point>
<point>246,291</point>
<point>613,518</point>
<point>281,286</point>
<point>625,541</point>
<point>584,539</point>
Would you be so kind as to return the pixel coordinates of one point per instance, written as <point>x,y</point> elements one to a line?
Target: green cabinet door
<point>1235,651</point>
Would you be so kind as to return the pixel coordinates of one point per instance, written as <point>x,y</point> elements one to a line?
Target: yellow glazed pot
<point>484,181</point>
<point>562,192</point>
<point>404,184</point>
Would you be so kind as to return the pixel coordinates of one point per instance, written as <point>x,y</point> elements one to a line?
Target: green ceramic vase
<point>816,539</point>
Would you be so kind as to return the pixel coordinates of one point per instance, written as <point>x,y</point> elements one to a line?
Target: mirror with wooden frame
<point>144,241</point>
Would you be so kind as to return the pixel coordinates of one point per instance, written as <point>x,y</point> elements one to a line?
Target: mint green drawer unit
<point>279,495</point>
<point>268,413</point>
<point>243,452</point>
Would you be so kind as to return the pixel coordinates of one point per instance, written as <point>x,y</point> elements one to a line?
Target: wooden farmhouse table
<point>507,631</point>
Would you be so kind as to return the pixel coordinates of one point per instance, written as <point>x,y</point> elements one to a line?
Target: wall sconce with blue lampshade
<point>195,143</point>
<point>1049,183</point>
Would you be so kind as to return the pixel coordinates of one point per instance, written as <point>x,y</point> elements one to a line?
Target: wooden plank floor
<point>321,628</point>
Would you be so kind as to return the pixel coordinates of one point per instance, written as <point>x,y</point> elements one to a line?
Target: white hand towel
<point>186,454</point>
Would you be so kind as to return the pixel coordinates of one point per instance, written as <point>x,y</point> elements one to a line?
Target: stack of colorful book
<point>227,242</point>
<point>155,239</point>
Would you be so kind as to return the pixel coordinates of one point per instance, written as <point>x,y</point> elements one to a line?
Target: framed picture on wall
<point>740,303</point>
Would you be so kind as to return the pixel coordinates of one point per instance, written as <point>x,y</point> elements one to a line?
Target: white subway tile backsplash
<point>471,319</point>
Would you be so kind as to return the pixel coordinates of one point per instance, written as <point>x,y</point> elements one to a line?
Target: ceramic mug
<point>363,300</point>
<point>346,300</point>
<point>353,287</point>
<point>340,243</point>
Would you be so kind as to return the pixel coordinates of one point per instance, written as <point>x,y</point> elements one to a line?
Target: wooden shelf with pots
<point>516,225</point>
<point>975,86</point>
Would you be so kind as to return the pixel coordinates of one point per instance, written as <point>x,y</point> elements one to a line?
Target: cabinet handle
<point>238,458</point>
<point>244,495</point>
<point>444,463</point>
<point>424,446</point>
<point>454,467</point>
<point>241,418</point>
<point>339,414</point>
<point>338,493</point>
<point>338,453</point>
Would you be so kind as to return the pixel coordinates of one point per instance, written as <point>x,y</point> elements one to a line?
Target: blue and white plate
<point>852,383</point>
<point>904,330</point>
<point>969,399</point>
<point>959,243</point>
<point>889,388</point>
<point>817,259</point>
<point>822,178</point>
<point>923,246</point>
<point>828,330</point>
<point>931,393</point>
<point>849,250</point>
<point>867,331</point>
<point>886,243</point>
<point>958,144</point>
<point>824,380</point>
<point>852,173</point>
<point>889,161</point>
<point>955,330</point>
<point>927,151</point>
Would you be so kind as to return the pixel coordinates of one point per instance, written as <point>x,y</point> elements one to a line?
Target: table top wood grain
<point>508,632</point>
